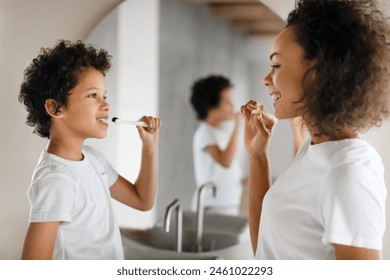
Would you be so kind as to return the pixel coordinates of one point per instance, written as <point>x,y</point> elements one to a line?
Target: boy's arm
<point>226,157</point>
<point>141,195</point>
<point>40,240</point>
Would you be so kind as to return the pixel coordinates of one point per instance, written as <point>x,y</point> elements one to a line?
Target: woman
<point>329,66</point>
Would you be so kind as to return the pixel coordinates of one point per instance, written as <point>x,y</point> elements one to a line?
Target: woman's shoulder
<point>346,151</point>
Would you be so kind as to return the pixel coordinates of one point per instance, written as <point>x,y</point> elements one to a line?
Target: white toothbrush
<point>137,123</point>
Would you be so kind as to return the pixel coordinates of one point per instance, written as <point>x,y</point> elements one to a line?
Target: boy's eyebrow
<point>272,55</point>
<point>94,88</point>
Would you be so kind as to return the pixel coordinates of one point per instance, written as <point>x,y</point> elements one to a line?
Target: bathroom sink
<point>210,241</point>
<point>219,232</point>
<point>136,246</point>
<point>224,237</point>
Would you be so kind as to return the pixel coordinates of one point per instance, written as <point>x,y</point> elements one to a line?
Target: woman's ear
<point>51,107</point>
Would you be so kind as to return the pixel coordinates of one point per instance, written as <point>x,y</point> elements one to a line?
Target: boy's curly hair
<point>53,74</point>
<point>206,94</point>
<point>348,41</point>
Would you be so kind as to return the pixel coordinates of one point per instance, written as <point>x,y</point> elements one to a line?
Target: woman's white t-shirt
<point>331,193</point>
<point>227,180</point>
<point>76,193</point>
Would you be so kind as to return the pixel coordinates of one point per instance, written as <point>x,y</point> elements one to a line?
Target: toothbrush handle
<point>138,123</point>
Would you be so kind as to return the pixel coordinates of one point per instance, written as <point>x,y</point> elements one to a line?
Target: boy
<point>214,144</point>
<point>71,215</point>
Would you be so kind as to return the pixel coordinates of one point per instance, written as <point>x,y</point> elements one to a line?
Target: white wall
<point>25,26</point>
<point>130,34</point>
<point>281,8</point>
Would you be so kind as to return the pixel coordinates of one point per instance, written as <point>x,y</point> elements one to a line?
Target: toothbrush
<point>137,123</point>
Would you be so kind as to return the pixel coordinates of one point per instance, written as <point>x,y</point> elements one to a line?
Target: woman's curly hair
<point>53,75</point>
<point>348,42</point>
<point>206,94</point>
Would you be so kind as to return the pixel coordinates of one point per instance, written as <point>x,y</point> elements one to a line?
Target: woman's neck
<point>342,134</point>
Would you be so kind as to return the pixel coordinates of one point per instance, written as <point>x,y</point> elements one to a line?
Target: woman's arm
<point>40,241</point>
<point>257,134</point>
<point>259,181</point>
<point>355,253</point>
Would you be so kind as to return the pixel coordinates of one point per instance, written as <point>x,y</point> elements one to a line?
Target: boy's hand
<point>149,135</point>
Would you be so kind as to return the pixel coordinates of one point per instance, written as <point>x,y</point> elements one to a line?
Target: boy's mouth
<point>101,120</point>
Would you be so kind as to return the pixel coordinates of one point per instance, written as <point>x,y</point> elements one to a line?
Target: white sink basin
<point>224,237</point>
<point>137,246</point>
<point>219,232</point>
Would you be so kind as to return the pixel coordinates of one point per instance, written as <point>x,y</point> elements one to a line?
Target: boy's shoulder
<point>51,167</point>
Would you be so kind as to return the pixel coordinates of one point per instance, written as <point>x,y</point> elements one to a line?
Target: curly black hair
<point>206,94</point>
<point>348,42</point>
<point>53,75</point>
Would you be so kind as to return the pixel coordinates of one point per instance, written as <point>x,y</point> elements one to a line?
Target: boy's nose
<point>106,105</point>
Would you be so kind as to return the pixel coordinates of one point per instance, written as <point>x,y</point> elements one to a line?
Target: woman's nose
<point>267,81</point>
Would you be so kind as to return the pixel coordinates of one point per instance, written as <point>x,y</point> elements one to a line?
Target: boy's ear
<point>51,107</point>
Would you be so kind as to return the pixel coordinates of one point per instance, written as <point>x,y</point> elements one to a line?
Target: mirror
<point>159,50</point>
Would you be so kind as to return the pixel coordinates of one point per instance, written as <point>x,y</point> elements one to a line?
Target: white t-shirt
<point>227,180</point>
<point>76,193</point>
<point>331,193</point>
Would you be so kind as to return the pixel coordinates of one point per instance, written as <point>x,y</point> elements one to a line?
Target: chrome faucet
<point>179,216</point>
<point>200,214</point>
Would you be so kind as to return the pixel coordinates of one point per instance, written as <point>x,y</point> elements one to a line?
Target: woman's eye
<point>275,66</point>
<point>93,95</point>
<point>105,97</point>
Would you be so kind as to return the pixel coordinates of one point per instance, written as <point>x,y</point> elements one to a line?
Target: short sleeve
<point>52,198</point>
<point>205,138</point>
<point>353,211</point>
<point>111,173</point>
<point>108,171</point>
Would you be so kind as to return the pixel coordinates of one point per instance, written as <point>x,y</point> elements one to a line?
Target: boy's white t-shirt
<point>227,180</point>
<point>331,193</point>
<point>76,193</point>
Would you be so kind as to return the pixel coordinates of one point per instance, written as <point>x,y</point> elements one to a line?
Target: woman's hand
<point>258,128</point>
<point>149,135</point>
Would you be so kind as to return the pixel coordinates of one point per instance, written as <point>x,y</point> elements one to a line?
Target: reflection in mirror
<point>160,48</point>
<point>215,145</point>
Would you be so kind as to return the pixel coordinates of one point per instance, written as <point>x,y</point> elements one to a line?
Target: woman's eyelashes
<point>275,66</point>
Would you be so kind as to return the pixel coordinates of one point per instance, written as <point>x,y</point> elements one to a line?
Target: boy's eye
<point>105,97</point>
<point>93,95</point>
